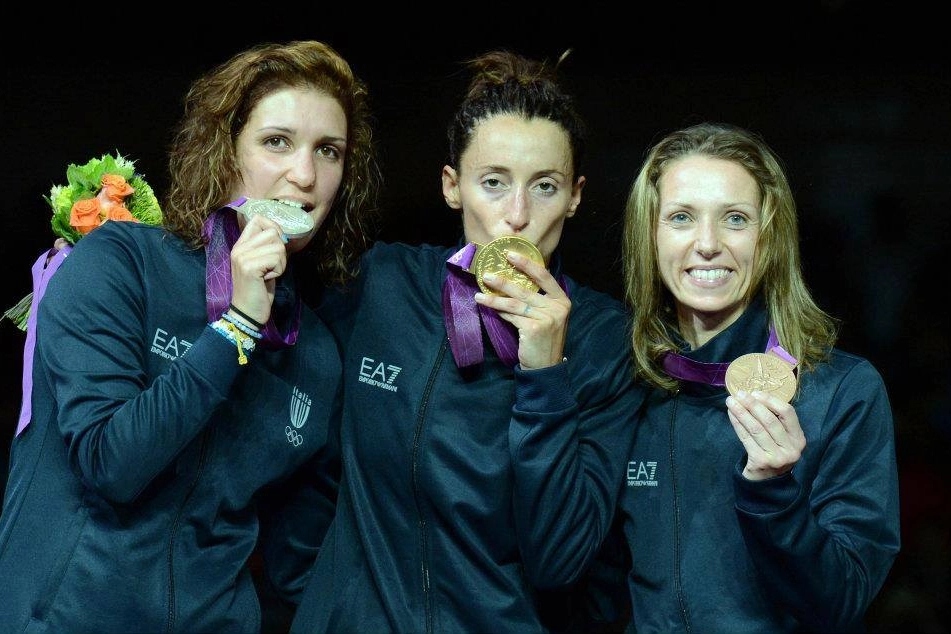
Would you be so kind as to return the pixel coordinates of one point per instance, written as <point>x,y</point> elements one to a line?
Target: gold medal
<point>490,258</point>
<point>763,372</point>
<point>294,221</point>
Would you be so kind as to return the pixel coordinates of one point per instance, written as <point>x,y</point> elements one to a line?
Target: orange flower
<point>119,212</point>
<point>115,188</point>
<point>84,216</point>
<point>88,214</point>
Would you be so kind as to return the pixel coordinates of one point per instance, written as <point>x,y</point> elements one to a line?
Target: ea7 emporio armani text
<point>170,347</point>
<point>641,474</point>
<point>379,374</point>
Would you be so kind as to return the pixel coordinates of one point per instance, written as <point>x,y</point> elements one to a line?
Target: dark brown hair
<point>507,83</point>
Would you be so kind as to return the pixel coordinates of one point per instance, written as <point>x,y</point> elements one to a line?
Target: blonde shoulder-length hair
<point>804,330</point>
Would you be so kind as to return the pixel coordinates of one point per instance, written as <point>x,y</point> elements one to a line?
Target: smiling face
<point>293,148</point>
<point>706,234</point>
<point>515,178</point>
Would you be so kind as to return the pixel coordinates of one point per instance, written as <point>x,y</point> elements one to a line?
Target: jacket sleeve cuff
<point>545,389</point>
<point>215,359</point>
<point>761,497</point>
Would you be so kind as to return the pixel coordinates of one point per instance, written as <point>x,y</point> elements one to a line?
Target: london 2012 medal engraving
<point>294,221</point>
<point>490,258</point>
<point>762,372</point>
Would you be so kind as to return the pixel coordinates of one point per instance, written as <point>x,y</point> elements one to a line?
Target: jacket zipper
<point>678,586</point>
<point>170,627</point>
<point>421,520</point>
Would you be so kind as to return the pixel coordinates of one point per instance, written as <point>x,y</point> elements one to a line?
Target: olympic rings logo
<point>292,436</point>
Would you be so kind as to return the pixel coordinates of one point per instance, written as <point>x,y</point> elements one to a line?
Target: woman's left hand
<point>769,429</point>
<point>541,319</point>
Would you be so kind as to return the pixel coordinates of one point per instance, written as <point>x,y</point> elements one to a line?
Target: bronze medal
<point>490,258</point>
<point>294,221</point>
<point>763,372</point>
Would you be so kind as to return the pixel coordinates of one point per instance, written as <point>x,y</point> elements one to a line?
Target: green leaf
<point>19,314</point>
<point>143,204</point>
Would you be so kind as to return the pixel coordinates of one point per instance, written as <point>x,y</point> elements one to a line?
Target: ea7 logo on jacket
<point>641,474</point>
<point>379,374</point>
<point>168,345</point>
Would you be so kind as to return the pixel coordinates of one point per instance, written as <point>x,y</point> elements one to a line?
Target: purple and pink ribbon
<point>43,270</point>
<point>464,317</point>
<point>680,367</point>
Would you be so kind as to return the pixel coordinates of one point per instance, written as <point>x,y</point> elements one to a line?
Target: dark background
<point>853,96</point>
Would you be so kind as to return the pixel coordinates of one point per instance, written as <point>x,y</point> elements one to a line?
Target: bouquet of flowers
<point>104,189</point>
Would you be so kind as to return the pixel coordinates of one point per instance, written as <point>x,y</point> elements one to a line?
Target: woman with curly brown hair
<point>183,397</point>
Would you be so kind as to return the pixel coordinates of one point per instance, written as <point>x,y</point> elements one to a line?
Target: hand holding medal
<point>492,259</point>
<point>510,271</point>
<point>761,386</point>
<point>258,258</point>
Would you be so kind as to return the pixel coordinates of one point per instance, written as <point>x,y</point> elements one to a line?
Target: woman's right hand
<point>258,258</point>
<point>770,432</point>
<point>541,319</point>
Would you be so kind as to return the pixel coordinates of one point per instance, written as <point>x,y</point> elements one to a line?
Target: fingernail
<point>489,277</point>
<point>741,394</point>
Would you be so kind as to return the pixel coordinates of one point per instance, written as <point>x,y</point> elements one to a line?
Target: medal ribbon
<point>680,367</point>
<point>220,230</point>
<point>42,272</point>
<point>463,315</point>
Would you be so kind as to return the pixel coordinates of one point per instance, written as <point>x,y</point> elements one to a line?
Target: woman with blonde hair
<point>762,485</point>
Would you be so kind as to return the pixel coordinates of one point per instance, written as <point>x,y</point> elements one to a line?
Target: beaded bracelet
<point>240,325</point>
<point>242,342</point>
<point>243,315</point>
